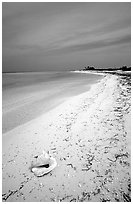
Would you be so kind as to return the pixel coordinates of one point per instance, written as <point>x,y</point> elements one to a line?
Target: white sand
<point>89,135</point>
<point>89,72</point>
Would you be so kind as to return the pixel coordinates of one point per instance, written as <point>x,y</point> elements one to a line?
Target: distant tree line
<point>123,68</point>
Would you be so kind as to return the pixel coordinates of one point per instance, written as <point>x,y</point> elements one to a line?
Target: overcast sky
<point>62,36</point>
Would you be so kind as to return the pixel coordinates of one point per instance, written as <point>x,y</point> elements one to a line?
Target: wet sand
<point>88,135</point>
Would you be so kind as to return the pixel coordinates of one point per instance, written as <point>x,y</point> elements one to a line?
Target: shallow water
<point>25,96</point>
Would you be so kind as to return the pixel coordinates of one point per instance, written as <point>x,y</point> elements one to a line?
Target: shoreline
<point>117,72</point>
<point>89,137</point>
<point>89,72</point>
<point>31,96</point>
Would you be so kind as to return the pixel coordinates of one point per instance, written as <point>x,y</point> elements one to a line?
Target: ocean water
<point>26,96</point>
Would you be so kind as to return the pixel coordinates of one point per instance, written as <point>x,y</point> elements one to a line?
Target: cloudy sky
<point>62,36</point>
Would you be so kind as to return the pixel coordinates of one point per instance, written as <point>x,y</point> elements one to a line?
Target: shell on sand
<point>43,164</point>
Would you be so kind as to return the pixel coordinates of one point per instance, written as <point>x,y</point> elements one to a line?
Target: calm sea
<point>25,96</point>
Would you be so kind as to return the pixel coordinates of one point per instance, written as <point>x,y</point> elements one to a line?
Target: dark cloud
<point>46,34</point>
<point>95,45</point>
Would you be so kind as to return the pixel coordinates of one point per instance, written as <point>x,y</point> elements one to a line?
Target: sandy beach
<point>88,135</point>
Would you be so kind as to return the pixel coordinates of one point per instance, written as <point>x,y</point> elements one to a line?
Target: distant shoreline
<point>89,72</point>
<point>117,72</point>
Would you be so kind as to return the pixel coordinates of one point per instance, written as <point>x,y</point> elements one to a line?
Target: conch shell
<point>43,164</point>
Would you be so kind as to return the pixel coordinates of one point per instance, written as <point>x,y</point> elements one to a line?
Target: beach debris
<point>85,196</point>
<point>43,164</point>
<point>65,198</point>
<point>51,189</point>
<point>73,200</point>
<point>127,197</point>
<point>40,185</point>
<point>71,165</point>
<point>79,185</point>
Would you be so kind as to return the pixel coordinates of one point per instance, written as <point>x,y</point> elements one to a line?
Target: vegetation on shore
<point>91,68</point>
